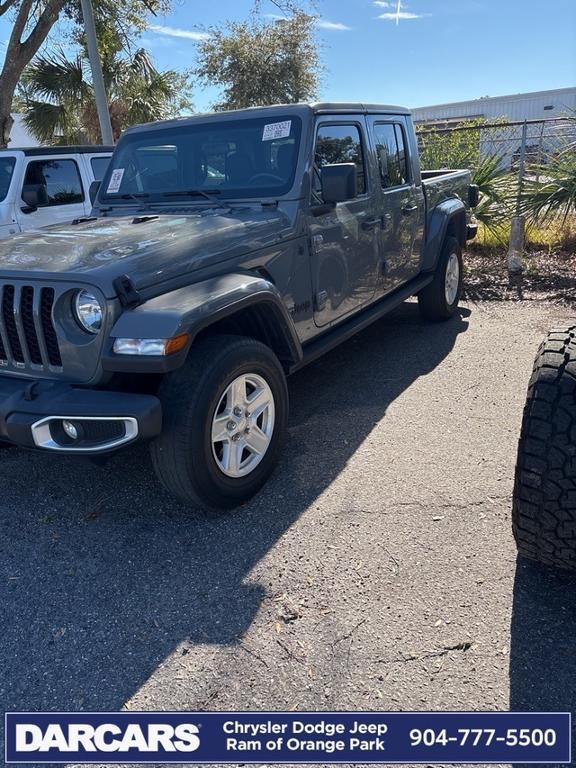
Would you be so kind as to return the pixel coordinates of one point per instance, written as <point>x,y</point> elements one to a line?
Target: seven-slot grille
<point>27,335</point>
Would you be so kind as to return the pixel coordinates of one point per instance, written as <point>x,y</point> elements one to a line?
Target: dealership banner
<point>288,737</point>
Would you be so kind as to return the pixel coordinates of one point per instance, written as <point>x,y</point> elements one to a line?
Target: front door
<point>62,192</point>
<point>344,251</point>
<point>402,206</point>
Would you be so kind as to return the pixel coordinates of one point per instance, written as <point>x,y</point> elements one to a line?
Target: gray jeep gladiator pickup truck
<point>223,252</point>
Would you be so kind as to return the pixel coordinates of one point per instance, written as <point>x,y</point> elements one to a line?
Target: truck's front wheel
<point>439,300</point>
<point>224,421</point>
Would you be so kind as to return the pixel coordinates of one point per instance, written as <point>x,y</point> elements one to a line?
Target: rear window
<point>99,166</point>
<point>6,170</point>
<point>391,154</point>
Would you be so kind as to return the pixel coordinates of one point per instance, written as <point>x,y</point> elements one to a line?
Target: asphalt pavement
<point>376,570</point>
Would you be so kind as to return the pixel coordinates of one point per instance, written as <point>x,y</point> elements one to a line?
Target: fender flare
<point>450,213</point>
<point>192,309</point>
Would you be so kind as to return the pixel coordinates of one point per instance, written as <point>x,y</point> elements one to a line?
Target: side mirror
<point>338,182</point>
<point>93,191</point>
<point>34,195</point>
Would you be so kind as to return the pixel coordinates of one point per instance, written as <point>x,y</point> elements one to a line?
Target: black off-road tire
<point>432,299</point>
<point>544,504</point>
<point>182,455</point>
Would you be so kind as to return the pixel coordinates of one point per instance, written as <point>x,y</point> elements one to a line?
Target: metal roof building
<point>539,105</point>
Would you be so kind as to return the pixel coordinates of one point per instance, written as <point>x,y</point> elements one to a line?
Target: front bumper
<point>32,413</point>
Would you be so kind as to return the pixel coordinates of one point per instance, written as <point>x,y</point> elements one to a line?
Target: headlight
<point>89,311</point>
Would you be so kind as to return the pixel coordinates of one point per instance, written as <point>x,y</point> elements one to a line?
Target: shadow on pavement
<point>102,575</point>
<point>543,640</point>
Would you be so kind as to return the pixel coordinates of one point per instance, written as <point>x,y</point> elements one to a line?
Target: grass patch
<point>553,237</point>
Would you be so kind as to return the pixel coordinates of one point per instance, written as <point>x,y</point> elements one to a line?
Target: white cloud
<point>187,34</point>
<point>321,23</point>
<point>337,25</point>
<point>383,4</point>
<point>402,15</point>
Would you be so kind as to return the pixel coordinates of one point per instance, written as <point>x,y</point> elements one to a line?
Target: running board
<point>345,330</point>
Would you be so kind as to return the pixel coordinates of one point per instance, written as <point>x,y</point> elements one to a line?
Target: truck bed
<point>441,184</point>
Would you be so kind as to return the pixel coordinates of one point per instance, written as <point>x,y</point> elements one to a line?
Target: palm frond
<point>553,192</point>
<point>56,78</point>
<point>47,122</point>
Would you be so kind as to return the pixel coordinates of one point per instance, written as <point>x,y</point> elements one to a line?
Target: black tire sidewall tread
<point>432,299</point>
<point>544,499</point>
<point>182,454</point>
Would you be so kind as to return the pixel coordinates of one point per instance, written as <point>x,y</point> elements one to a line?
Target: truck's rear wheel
<point>224,422</point>
<point>439,300</point>
<point>544,504</point>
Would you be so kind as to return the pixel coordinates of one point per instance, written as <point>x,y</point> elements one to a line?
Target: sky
<point>413,53</point>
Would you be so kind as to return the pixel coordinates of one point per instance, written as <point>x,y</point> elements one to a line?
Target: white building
<point>546,130</point>
<point>20,137</point>
<point>539,105</point>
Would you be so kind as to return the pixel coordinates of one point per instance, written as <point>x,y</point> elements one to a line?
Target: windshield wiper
<point>140,197</point>
<point>134,196</point>
<point>206,194</point>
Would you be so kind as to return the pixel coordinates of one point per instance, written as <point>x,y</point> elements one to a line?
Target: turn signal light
<point>155,347</point>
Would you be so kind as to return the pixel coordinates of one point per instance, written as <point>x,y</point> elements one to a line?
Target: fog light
<point>70,429</point>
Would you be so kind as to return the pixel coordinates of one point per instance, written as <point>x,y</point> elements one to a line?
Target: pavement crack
<point>290,653</point>
<point>427,654</point>
<point>253,654</point>
<point>350,633</point>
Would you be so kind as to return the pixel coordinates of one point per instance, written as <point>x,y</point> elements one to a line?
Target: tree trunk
<point>19,53</point>
<point>8,83</point>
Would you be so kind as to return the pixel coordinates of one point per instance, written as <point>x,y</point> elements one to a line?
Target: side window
<point>339,144</point>
<point>391,154</point>
<point>61,179</point>
<point>99,165</point>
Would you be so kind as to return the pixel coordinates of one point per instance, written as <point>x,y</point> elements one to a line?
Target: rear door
<point>65,192</point>
<point>402,203</point>
<point>344,252</point>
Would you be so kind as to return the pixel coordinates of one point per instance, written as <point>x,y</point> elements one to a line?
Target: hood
<point>149,248</point>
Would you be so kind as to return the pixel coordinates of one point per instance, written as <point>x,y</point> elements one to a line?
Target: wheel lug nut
<point>237,411</point>
<point>248,414</point>
<point>231,426</point>
<point>247,430</point>
<point>236,437</point>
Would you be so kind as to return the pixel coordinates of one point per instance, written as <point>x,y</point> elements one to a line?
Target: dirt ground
<point>376,570</point>
<point>548,277</point>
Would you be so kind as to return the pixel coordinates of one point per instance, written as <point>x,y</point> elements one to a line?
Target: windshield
<point>6,170</point>
<point>241,158</point>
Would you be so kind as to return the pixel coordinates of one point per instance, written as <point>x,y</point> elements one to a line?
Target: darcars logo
<point>106,737</point>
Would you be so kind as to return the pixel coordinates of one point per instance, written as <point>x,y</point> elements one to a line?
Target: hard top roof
<point>277,110</point>
<point>83,149</point>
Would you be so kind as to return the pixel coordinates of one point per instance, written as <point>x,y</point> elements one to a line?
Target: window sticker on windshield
<point>115,180</point>
<point>276,130</point>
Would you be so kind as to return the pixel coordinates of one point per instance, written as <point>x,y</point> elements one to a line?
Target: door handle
<point>408,210</point>
<point>370,224</point>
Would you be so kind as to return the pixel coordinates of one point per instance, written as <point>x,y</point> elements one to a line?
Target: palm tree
<point>58,102</point>
<point>553,193</point>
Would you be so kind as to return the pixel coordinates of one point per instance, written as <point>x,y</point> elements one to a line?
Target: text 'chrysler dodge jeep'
<point>223,253</point>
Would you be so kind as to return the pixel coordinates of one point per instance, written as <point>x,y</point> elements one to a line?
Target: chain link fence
<point>503,156</point>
